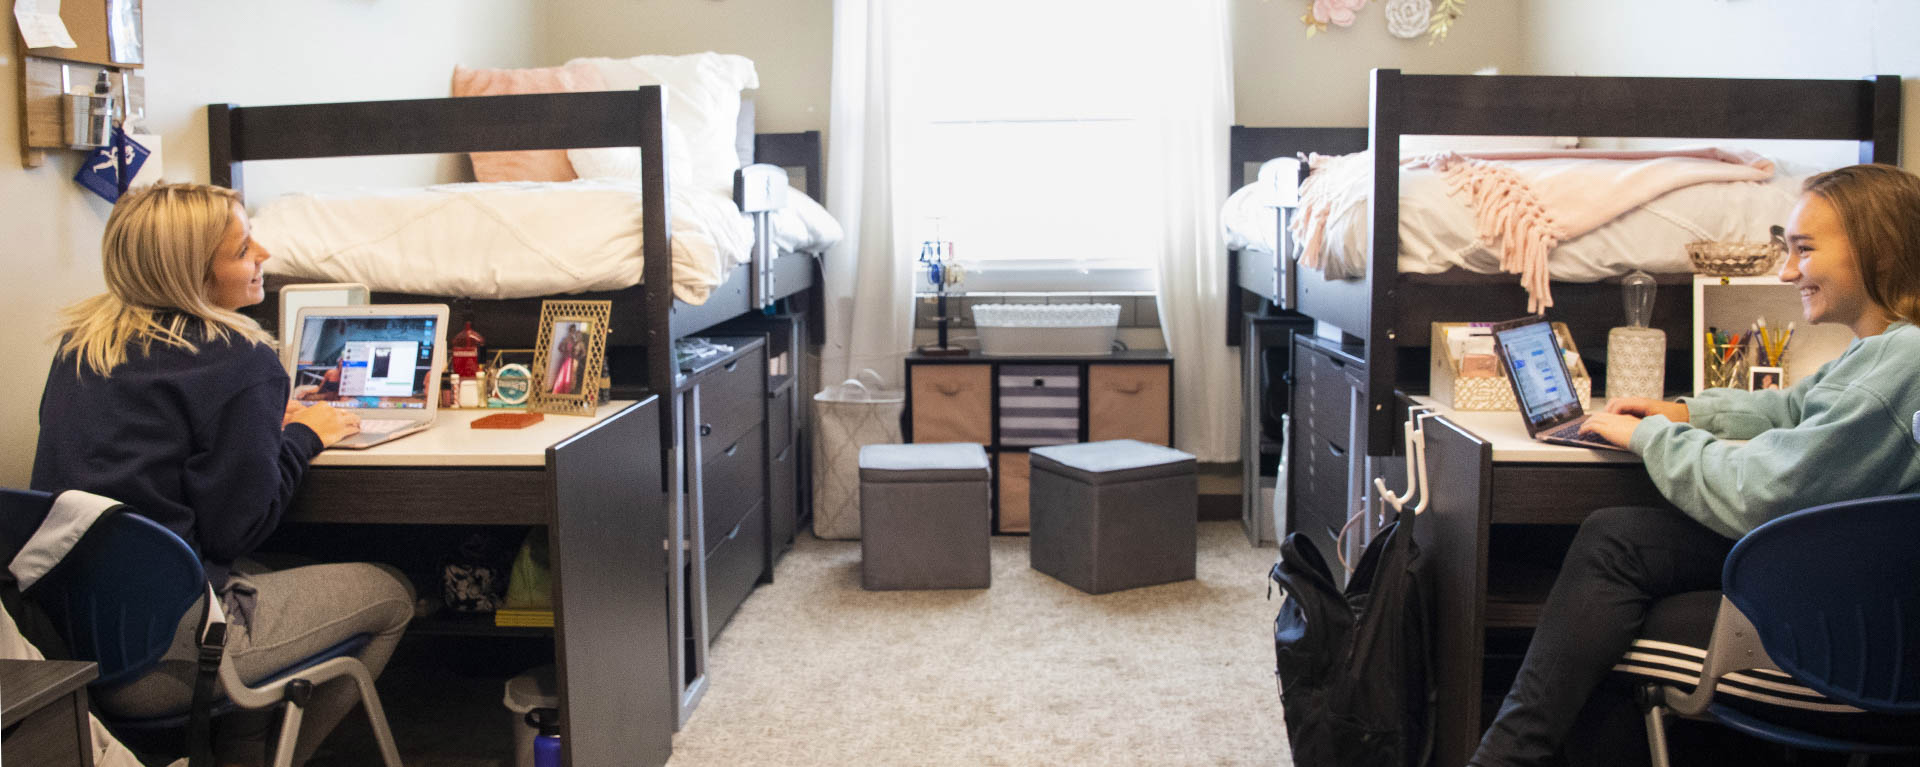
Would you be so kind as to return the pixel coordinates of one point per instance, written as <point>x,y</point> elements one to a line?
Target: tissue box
<point>1490,392</point>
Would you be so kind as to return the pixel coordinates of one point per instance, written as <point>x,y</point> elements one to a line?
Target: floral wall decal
<point>1407,19</point>
<point>1336,12</point>
<point>1444,15</point>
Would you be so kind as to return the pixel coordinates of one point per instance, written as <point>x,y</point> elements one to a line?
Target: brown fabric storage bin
<point>924,517</point>
<point>1113,515</point>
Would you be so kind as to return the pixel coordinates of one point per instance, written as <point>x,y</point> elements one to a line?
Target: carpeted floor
<point>816,671</point>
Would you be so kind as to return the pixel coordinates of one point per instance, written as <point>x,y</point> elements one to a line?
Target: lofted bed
<point>647,317</point>
<point>1384,315</point>
<point>707,486</point>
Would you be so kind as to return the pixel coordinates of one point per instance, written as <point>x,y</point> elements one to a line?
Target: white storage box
<point>1046,329</point>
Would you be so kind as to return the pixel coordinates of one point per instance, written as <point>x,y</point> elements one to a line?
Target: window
<point>1022,134</point>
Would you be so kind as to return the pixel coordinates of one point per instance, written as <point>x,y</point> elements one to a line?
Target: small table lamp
<point>1637,354</point>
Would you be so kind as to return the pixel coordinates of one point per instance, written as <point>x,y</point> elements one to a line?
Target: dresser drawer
<point>780,419</point>
<point>1010,484</point>
<point>1322,397</point>
<point>732,484</point>
<point>952,403</point>
<point>1039,405</point>
<point>1318,473</point>
<point>783,499</point>
<point>733,568</point>
<point>733,399</point>
<point>1129,402</point>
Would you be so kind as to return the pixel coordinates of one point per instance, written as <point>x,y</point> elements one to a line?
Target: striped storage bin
<point>1039,405</point>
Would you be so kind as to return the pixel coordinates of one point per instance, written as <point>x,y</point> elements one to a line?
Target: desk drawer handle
<point>731,449</point>
<point>730,366</point>
<point>706,429</point>
<point>1336,449</point>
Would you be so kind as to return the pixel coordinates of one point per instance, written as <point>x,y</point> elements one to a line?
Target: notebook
<point>1541,383</point>
<point>380,361</point>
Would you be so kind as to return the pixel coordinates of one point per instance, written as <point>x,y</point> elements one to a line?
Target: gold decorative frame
<point>586,323</point>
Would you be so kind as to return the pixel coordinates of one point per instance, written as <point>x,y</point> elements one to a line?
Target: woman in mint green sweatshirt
<point>1733,459</point>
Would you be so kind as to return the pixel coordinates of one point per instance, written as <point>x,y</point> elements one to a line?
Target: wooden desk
<point>597,482</point>
<point>1500,511</point>
<point>43,708</point>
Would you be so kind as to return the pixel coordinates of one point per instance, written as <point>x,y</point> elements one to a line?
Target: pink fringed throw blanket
<point>1527,202</point>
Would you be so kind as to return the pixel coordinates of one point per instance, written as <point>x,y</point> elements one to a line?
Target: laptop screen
<point>1540,377</point>
<point>365,360</point>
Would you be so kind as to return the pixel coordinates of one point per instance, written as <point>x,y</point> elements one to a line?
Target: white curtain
<point>1196,113</point>
<point>876,330</point>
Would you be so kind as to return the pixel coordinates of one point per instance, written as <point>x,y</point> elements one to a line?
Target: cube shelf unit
<point>1734,303</point>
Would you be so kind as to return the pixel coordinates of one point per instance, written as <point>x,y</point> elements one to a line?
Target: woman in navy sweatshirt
<point>164,397</point>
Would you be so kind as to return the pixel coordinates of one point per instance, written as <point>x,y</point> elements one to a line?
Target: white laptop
<point>380,361</point>
<point>1541,384</point>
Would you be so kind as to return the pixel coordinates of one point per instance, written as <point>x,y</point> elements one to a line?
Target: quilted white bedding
<point>1437,231</point>
<point>517,239</point>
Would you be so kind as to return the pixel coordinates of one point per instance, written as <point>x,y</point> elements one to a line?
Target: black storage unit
<point>1328,457</point>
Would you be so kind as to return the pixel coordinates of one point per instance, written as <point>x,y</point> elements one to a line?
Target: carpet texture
<point>815,671</point>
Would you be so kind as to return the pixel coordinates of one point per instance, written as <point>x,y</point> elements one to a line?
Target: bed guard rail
<point>759,190</point>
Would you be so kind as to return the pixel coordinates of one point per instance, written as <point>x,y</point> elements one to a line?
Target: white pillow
<point>703,102</point>
<point>623,162</point>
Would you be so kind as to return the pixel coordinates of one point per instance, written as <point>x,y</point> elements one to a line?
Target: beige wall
<point>1281,77</point>
<point>790,42</point>
<point>1751,38</point>
<point>240,51</point>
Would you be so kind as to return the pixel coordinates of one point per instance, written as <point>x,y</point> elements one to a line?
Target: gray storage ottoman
<point>1113,515</point>
<point>924,518</point>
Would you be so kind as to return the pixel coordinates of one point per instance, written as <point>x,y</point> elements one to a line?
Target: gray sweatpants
<point>295,613</point>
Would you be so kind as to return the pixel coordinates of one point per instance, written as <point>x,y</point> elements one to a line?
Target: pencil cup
<point>1727,371</point>
<point>1636,362</point>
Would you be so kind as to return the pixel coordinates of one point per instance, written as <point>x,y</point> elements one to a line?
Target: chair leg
<point>1649,697</point>
<point>290,733</point>
<point>376,716</point>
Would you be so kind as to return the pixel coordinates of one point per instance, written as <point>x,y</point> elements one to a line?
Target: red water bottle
<point>466,352</point>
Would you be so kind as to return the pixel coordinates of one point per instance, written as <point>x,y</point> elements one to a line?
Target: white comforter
<point>518,239</point>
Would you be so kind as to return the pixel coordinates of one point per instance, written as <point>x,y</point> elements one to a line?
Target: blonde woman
<point>164,397</point>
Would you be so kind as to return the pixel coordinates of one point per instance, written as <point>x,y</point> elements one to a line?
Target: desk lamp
<point>1637,353</point>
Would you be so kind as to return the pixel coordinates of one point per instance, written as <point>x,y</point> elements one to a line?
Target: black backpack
<point>1354,667</point>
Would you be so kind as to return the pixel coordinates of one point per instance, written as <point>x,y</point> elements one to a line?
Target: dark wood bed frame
<point>1388,315</point>
<point>646,317</point>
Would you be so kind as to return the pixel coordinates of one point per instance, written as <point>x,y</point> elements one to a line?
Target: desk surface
<point>27,685</point>
<point>452,441</point>
<point>1508,434</point>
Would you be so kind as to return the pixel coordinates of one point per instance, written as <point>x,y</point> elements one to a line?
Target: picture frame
<point>1760,377</point>
<point>569,357</point>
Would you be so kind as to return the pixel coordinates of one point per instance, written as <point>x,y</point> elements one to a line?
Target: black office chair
<point>115,586</point>
<point>1817,640</point>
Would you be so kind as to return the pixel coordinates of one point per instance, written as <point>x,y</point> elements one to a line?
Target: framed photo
<point>1760,377</point>
<point>569,356</point>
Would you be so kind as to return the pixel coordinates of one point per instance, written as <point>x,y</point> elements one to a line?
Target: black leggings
<point>1622,560</point>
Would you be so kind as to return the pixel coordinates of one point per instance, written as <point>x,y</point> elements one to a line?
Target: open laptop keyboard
<point>1571,433</point>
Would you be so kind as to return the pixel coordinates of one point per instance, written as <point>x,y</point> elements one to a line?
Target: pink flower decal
<point>1337,12</point>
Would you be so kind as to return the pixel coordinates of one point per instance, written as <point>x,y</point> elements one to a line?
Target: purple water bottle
<point>546,746</point>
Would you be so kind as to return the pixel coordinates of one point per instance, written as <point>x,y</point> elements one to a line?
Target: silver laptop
<point>380,361</point>
<point>1541,383</point>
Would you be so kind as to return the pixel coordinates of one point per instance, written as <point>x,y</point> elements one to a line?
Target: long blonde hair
<point>157,256</point>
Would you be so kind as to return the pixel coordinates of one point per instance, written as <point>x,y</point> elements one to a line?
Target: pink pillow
<point>537,165</point>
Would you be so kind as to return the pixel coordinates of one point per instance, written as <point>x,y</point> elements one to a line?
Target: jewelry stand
<point>941,273</point>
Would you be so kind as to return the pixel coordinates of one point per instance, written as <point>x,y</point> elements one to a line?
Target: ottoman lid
<point>1119,460</point>
<point>923,462</point>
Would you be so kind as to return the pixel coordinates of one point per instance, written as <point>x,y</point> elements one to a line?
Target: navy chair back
<point>118,596</point>
<point>1834,595</point>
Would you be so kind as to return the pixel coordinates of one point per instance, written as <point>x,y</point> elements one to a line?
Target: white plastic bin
<point>1046,329</point>
<point>526,692</point>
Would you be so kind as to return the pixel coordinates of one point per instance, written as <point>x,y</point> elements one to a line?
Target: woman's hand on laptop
<point>1644,406</point>
<point>329,423</point>
<point>1616,428</point>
